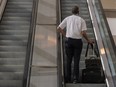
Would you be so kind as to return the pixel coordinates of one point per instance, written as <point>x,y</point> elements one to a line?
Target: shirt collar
<point>76,14</point>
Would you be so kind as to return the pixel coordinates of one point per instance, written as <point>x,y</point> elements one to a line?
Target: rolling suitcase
<point>93,60</point>
<point>93,72</point>
<point>92,76</point>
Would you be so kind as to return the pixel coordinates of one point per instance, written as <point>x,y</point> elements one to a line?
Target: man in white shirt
<point>75,30</point>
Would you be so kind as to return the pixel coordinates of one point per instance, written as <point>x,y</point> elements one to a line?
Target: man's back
<point>73,26</point>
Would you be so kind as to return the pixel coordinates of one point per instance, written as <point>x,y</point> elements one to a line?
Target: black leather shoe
<point>67,81</point>
<point>75,81</point>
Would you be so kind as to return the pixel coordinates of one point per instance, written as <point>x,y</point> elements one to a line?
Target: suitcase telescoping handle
<point>93,49</point>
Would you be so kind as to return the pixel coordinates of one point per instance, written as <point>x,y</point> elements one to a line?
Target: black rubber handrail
<point>30,45</point>
<point>60,52</point>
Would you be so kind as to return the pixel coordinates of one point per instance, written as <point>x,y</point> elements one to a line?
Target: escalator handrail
<point>60,52</point>
<point>104,60</point>
<point>30,45</point>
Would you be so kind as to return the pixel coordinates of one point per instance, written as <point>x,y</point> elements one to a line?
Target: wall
<point>112,24</point>
<point>110,11</point>
<point>109,8</point>
<point>109,4</point>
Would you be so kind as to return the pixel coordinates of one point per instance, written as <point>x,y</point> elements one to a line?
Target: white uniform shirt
<point>74,25</point>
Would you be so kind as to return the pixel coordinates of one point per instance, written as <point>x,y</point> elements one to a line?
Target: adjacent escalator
<point>14,35</point>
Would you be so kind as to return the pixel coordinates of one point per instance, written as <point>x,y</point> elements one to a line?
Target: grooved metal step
<point>15,22</point>
<point>10,83</point>
<point>12,48</point>
<point>13,37</point>
<point>18,10</point>
<point>12,61</point>
<point>14,27</point>
<point>85,85</point>
<point>16,18</point>
<point>13,43</point>
<point>17,14</point>
<point>19,3</point>
<point>11,68</point>
<point>20,6</point>
<point>9,32</point>
<point>12,54</point>
<point>11,75</point>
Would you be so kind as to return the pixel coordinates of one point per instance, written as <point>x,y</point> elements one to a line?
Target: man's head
<point>75,10</point>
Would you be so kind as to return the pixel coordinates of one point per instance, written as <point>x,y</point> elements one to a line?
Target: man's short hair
<point>75,10</point>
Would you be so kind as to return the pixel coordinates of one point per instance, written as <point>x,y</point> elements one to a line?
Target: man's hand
<point>61,31</point>
<point>86,37</point>
<point>90,41</point>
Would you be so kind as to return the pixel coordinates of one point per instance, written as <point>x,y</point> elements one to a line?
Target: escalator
<point>15,30</point>
<point>66,6</point>
<point>85,11</point>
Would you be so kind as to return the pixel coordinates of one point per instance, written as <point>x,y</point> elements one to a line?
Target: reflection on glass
<point>105,34</point>
<point>102,51</point>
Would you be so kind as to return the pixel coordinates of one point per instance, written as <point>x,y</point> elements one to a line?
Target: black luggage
<point>93,72</point>
<point>92,76</point>
<point>92,61</point>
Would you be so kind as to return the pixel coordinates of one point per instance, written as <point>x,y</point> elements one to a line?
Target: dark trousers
<point>73,50</point>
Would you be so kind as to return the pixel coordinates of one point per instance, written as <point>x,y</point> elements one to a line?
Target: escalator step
<point>10,83</point>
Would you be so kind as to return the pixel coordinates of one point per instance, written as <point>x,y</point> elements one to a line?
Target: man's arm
<point>61,27</point>
<point>86,37</point>
<point>60,30</point>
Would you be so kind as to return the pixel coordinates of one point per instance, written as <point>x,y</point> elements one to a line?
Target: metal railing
<point>107,38</point>
<point>60,51</point>
<point>105,55</point>
<point>30,45</point>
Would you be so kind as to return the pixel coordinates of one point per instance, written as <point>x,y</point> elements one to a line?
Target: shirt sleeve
<point>83,26</point>
<point>63,24</point>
